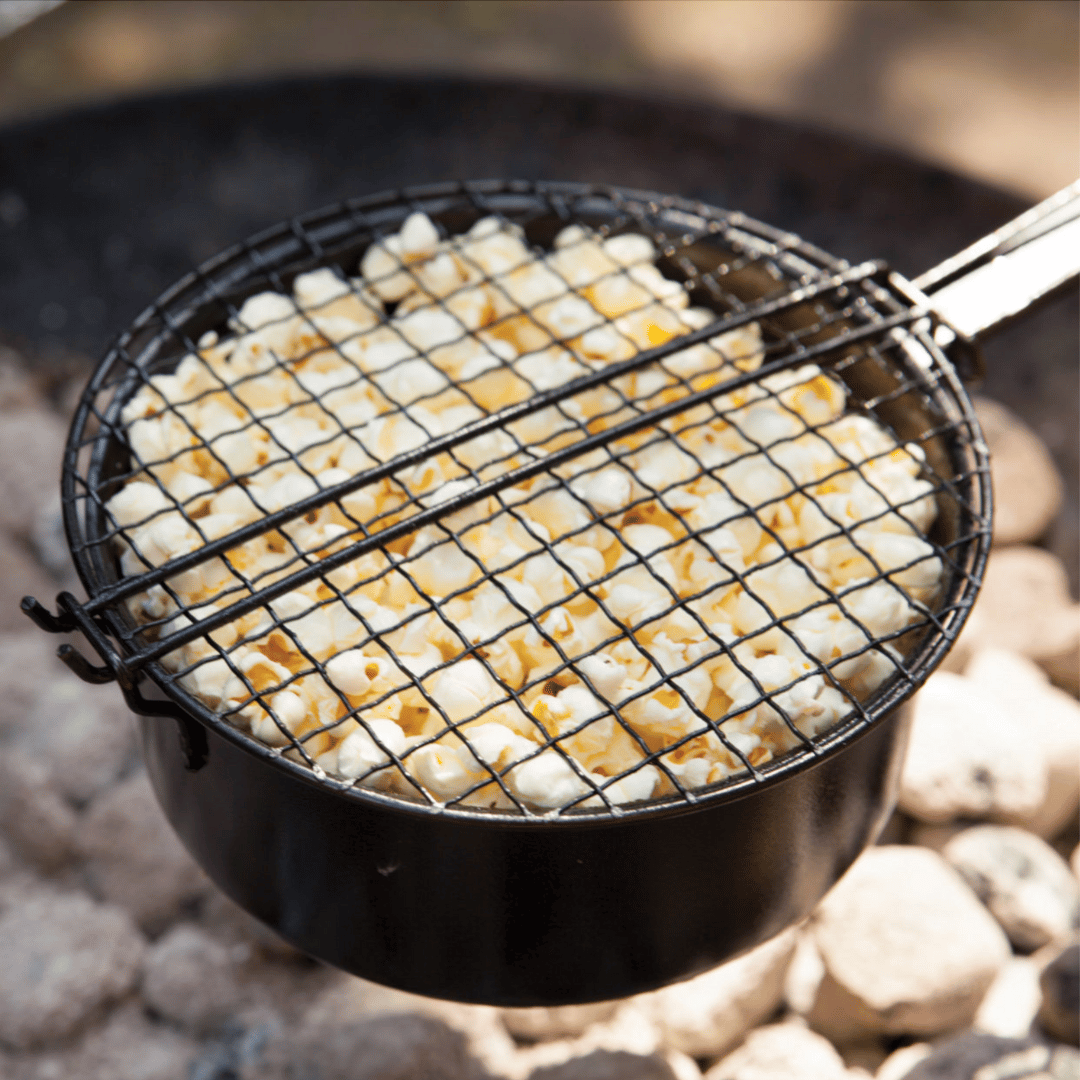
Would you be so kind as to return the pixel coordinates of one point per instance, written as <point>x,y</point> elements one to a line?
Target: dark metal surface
<point>503,913</point>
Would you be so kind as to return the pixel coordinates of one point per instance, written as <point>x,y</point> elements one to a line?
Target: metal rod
<point>129,586</point>
<point>525,472</point>
<point>1005,273</point>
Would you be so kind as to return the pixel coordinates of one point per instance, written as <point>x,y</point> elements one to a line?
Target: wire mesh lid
<point>577,501</point>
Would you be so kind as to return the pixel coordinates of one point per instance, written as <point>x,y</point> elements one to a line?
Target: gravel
<point>133,857</point>
<point>62,957</point>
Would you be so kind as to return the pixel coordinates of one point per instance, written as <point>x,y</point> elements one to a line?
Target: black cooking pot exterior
<point>520,912</point>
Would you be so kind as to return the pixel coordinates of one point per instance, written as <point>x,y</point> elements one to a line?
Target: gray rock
<point>342,1000</point>
<point>31,450</point>
<point>707,1015</point>
<point>27,663</point>
<point>49,541</point>
<point>255,1046</point>
<point>18,387</point>
<point>21,575</point>
<point>128,1047</point>
<point>1025,883</point>
<point>908,949</point>
<point>562,1021</point>
<point>608,1065</point>
<point>1027,487</point>
<point>986,1057</point>
<point>62,957</point>
<point>190,978</point>
<point>1059,1012</point>
<point>133,857</point>
<point>391,1047</point>
<point>1051,720</point>
<point>229,922</point>
<point>781,1052</point>
<point>84,734</point>
<point>8,863</point>
<point>38,822</point>
<point>967,757</point>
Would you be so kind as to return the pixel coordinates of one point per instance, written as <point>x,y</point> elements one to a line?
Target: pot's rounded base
<point>517,913</point>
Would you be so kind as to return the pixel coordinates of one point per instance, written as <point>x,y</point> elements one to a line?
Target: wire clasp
<point>71,617</point>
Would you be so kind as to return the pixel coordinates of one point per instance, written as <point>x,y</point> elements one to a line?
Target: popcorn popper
<point>517,583</point>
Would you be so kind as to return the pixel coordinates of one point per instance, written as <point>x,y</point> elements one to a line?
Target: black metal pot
<point>518,912</point>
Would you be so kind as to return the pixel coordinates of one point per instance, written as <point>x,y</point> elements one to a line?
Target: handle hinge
<point>72,616</point>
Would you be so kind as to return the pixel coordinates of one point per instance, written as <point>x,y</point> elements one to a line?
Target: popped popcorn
<point>682,604</point>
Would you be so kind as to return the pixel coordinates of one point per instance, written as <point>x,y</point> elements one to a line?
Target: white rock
<point>61,958</point>
<point>632,1029</point>
<point>27,663</point>
<point>347,999</point>
<point>128,1046</point>
<point>559,1022</point>
<point>133,857</point>
<point>31,449</point>
<point>900,1062</point>
<point>387,1047</point>
<point>781,1052</point>
<point>709,1014</point>
<point>907,948</point>
<point>1027,487</point>
<point>84,734</point>
<point>38,822</point>
<point>1024,883</point>
<point>1025,606</point>
<point>1051,720</point>
<point>21,575</point>
<point>682,1065</point>
<point>49,541</point>
<point>230,923</point>
<point>804,974</point>
<point>1012,1002</point>
<point>189,978</point>
<point>967,757</point>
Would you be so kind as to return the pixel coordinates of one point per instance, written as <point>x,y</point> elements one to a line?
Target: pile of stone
<point>948,952</point>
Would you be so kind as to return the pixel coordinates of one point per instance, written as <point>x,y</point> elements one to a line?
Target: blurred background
<point>988,88</point>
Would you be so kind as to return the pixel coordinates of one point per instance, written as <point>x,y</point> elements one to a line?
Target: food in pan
<point>662,612</point>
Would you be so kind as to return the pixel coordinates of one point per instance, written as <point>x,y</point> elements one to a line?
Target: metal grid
<point>810,308</point>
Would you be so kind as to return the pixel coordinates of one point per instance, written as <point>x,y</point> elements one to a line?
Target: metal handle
<point>1005,273</point>
<point>73,616</point>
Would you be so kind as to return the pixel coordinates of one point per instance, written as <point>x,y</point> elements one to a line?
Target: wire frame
<point>539,442</point>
